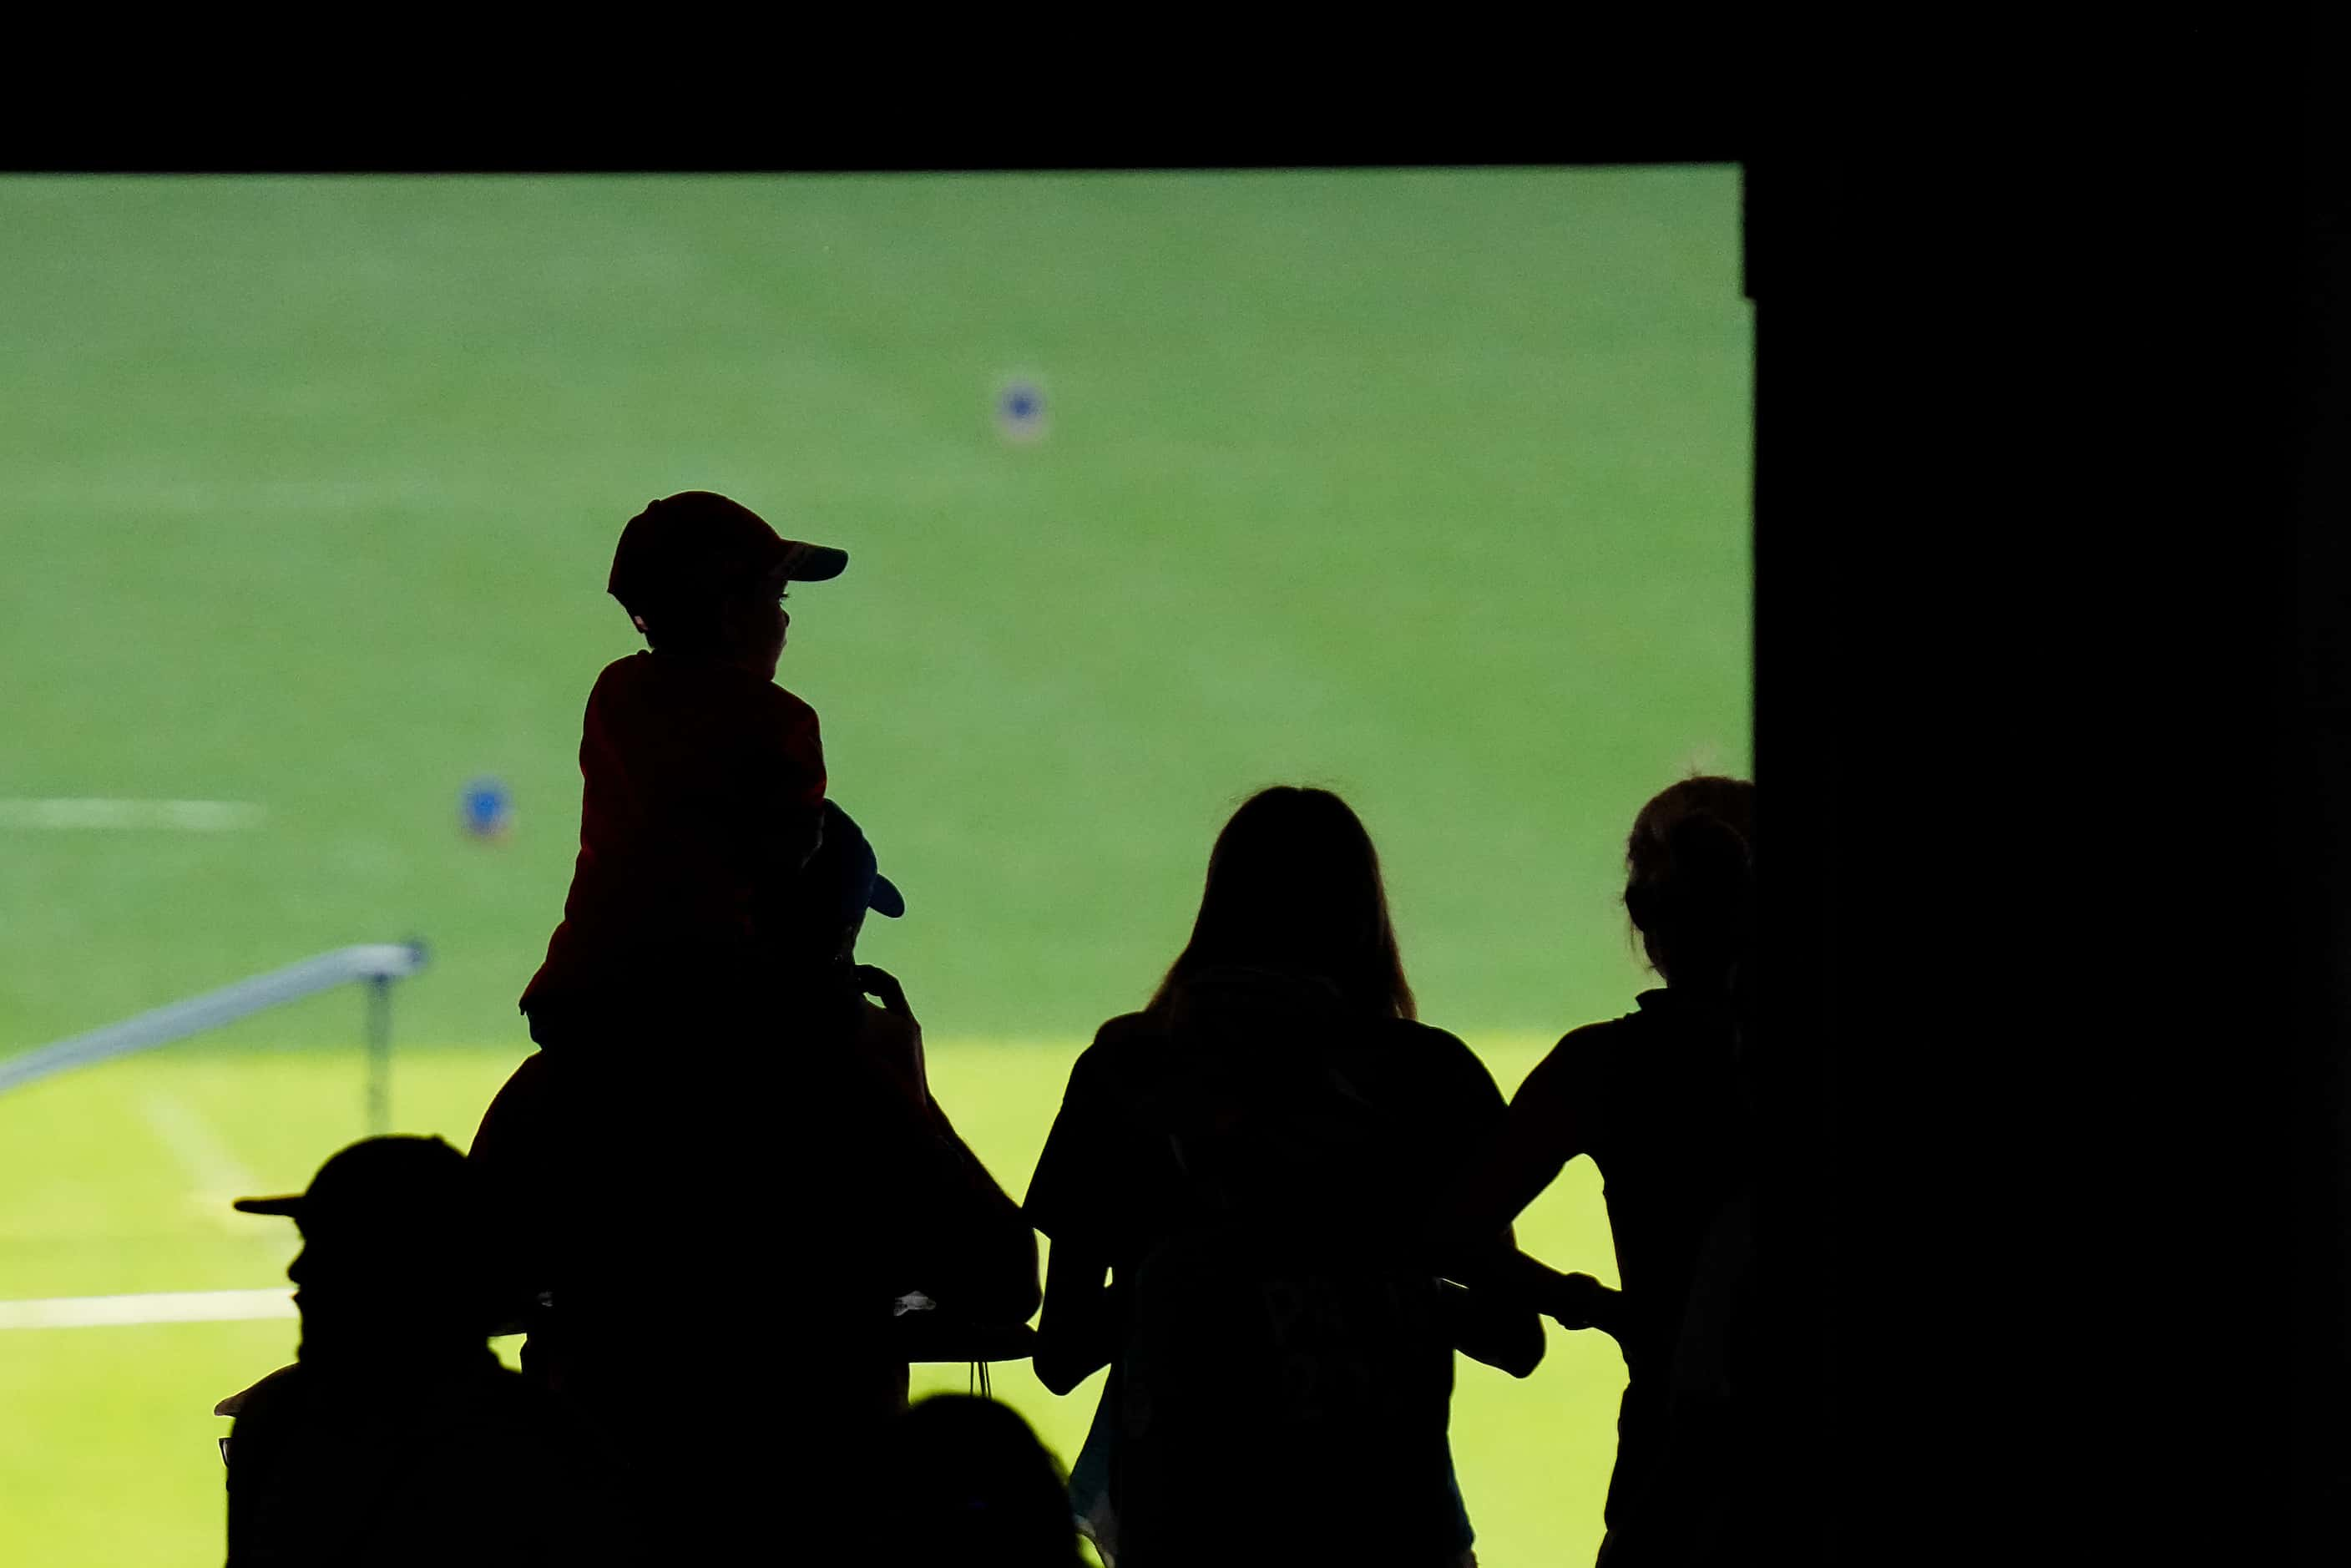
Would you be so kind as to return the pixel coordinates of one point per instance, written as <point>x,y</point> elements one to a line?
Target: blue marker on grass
<point>1020,409</point>
<point>487,809</point>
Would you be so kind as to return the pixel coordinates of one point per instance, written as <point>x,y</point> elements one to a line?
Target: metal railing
<point>375,964</point>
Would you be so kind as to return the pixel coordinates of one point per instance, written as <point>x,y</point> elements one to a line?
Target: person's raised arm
<point>1498,1327</point>
<point>980,1257</point>
<point>1574,1300</point>
<point>508,1165</point>
<point>1078,1334</point>
<point>1073,1198</point>
<point>1544,1131</point>
<point>998,1271</point>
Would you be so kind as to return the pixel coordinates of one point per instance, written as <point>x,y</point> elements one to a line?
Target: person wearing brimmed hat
<point>704,782</point>
<point>396,1437</point>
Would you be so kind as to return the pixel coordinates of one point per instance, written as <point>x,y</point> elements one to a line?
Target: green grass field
<point>1430,486</point>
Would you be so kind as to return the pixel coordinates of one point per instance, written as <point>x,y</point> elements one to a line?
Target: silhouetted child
<point>704,784</point>
<point>1658,1100</point>
<point>1245,1158</point>
<point>396,1437</point>
<point>967,1482</point>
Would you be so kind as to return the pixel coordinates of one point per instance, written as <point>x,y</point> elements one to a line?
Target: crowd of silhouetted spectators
<point>727,1212</point>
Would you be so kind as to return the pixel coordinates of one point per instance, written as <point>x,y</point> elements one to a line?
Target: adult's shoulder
<point>517,1110</point>
<point>1071,1193</point>
<point>1426,1039</point>
<point>1119,1050</point>
<point>1440,1055</point>
<point>1122,1032</point>
<point>1593,1041</point>
<point>1580,1057</point>
<point>531,1074</point>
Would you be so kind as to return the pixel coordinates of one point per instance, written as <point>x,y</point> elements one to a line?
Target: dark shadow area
<point>1978,1177</point>
<point>2317,756</point>
<point>2049,1217</point>
<point>970,1483</point>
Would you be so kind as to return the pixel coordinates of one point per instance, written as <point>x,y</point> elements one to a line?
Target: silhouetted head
<point>1690,883</point>
<point>701,574</point>
<point>971,1484</point>
<point>393,1247</point>
<point>1294,884</point>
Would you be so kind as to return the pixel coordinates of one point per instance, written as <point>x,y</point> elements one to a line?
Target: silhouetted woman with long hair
<point>1239,1157</point>
<point>1657,1099</point>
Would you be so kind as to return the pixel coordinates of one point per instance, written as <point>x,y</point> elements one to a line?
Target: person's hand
<point>1581,1302</point>
<point>889,1034</point>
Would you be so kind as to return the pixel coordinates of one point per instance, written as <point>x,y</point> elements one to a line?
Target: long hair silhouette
<point>1294,884</point>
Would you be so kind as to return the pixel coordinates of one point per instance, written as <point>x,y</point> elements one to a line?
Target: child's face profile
<point>754,624</point>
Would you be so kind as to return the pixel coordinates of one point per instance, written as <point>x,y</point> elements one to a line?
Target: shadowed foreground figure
<point>723,1216</point>
<point>1245,1158</point>
<point>397,1437</point>
<point>1659,1100</point>
<point>970,1484</point>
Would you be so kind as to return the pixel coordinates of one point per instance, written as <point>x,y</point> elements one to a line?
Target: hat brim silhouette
<point>811,563</point>
<point>375,1174</point>
<point>288,1204</point>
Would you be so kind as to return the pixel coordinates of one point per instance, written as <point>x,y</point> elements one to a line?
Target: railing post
<point>379,1055</point>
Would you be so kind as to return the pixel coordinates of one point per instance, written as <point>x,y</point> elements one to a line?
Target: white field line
<point>216,1177</point>
<point>166,1307</point>
<point>241,497</point>
<point>187,816</point>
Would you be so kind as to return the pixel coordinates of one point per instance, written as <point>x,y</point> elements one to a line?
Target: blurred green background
<point>1429,487</point>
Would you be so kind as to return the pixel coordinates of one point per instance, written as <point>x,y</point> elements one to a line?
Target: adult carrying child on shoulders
<point>725,1164</point>
<point>704,787</point>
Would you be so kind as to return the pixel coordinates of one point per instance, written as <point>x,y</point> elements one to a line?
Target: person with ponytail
<point>1657,1098</point>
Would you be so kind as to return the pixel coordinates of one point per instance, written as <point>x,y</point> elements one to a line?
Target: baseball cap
<point>846,861</point>
<point>393,1178</point>
<point>695,544</point>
